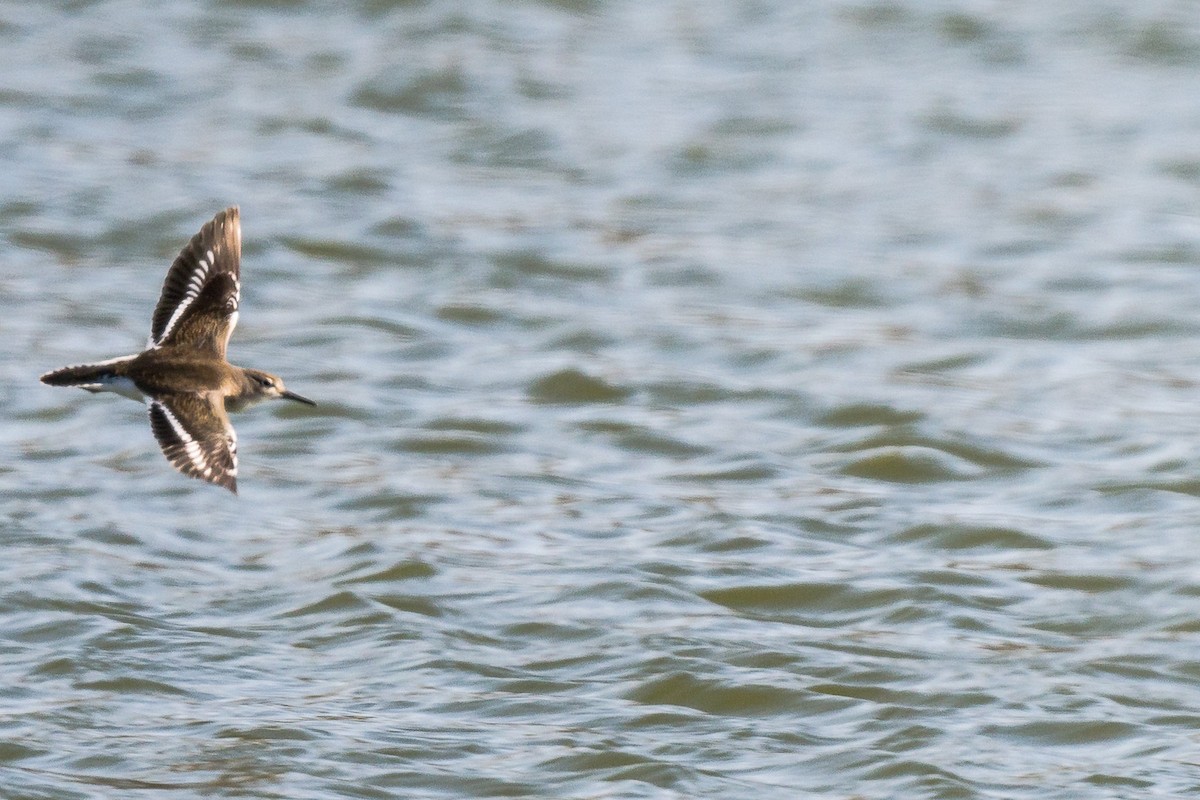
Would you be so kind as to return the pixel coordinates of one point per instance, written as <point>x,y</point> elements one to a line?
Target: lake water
<point>726,400</point>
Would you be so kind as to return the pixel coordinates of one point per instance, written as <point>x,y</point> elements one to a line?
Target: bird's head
<point>268,386</point>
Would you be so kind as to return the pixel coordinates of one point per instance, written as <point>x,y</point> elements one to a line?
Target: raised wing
<point>213,252</point>
<point>206,322</point>
<point>196,437</point>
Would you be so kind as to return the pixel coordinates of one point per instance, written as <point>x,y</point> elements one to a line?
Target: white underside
<point>121,386</point>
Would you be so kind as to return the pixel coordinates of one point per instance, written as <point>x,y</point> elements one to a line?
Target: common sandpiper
<point>182,374</point>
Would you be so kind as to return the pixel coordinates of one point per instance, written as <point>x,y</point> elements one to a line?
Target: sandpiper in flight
<point>182,373</point>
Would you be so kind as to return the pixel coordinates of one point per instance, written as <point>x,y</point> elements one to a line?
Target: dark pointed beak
<point>298,398</point>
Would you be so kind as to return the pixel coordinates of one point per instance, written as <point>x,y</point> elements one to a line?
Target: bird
<point>182,375</point>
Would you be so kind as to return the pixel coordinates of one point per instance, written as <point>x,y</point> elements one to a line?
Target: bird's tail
<point>84,375</point>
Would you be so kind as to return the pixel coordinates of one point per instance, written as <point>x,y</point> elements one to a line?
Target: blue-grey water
<point>717,399</point>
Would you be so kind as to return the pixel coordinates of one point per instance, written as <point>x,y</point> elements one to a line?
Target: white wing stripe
<point>195,284</point>
<point>105,362</point>
<point>191,448</point>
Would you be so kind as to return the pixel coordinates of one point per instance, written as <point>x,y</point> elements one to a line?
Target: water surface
<point>716,400</point>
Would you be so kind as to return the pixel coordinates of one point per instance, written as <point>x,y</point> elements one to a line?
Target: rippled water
<point>757,399</point>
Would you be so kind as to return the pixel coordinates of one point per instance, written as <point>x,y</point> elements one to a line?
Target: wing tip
<point>231,214</point>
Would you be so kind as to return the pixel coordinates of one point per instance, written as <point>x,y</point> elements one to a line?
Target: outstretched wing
<point>196,437</point>
<point>213,252</point>
<point>206,322</point>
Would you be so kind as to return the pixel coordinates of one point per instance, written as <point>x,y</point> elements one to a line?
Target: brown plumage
<point>182,374</point>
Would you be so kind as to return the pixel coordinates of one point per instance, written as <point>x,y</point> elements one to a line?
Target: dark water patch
<point>67,248</point>
<point>343,252</point>
<point>1184,627</point>
<point>1145,491</point>
<point>663,775</point>
<point>584,342</point>
<point>683,275</point>
<point>409,604</point>
<point>1069,326</point>
<point>1023,247</point>
<point>956,579</point>
<point>111,535</point>
<point>878,15</point>
<point>391,505</point>
<point>449,784</point>
<point>1141,668</point>
<point>902,440</point>
<point>1119,782</point>
<point>399,227</point>
<point>472,668</point>
<point>1174,253</point>
<point>56,630</point>
<point>225,633</point>
<point>513,268</point>
<point>266,733</point>
<point>682,392</point>
<point>732,544</point>
<point>1184,168</point>
<point>18,209</point>
<point>536,686</point>
<point>1161,42</point>
<point>971,537</point>
<point>751,471</point>
<point>317,125</point>
<point>956,122</point>
<point>561,631</point>
<point>965,28</point>
<point>54,455</point>
<point>1130,329</point>
<point>337,603</point>
<point>478,425</point>
<point>358,182</point>
<point>473,314</point>
<point>755,126</point>
<point>571,386</point>
<point>15,751</point>
<point>1090,584</point>
<point>815,603</point>
<point>400,571</point>
<point>592,761</point>
<point>58,668</point>
<point>848,293</point>
<point>439,93</point>
<point>992,43</point>
<point>376,323</point>
<point>133,78</point>
<point>447,444</point>
<point>1091,626</point>
<point>944,364</point>
<point>909,465</point>
<point>530,149</point>
<point>639,439</point>
<point>623,591</point>
<point>868,691</point>
<point>1064,733</point>
<point>129,685</point>
<point>708,154</point>
<point>867,414</point>
<point>741,698</point>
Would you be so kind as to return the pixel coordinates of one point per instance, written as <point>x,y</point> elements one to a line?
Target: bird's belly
<point>118,385</point>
